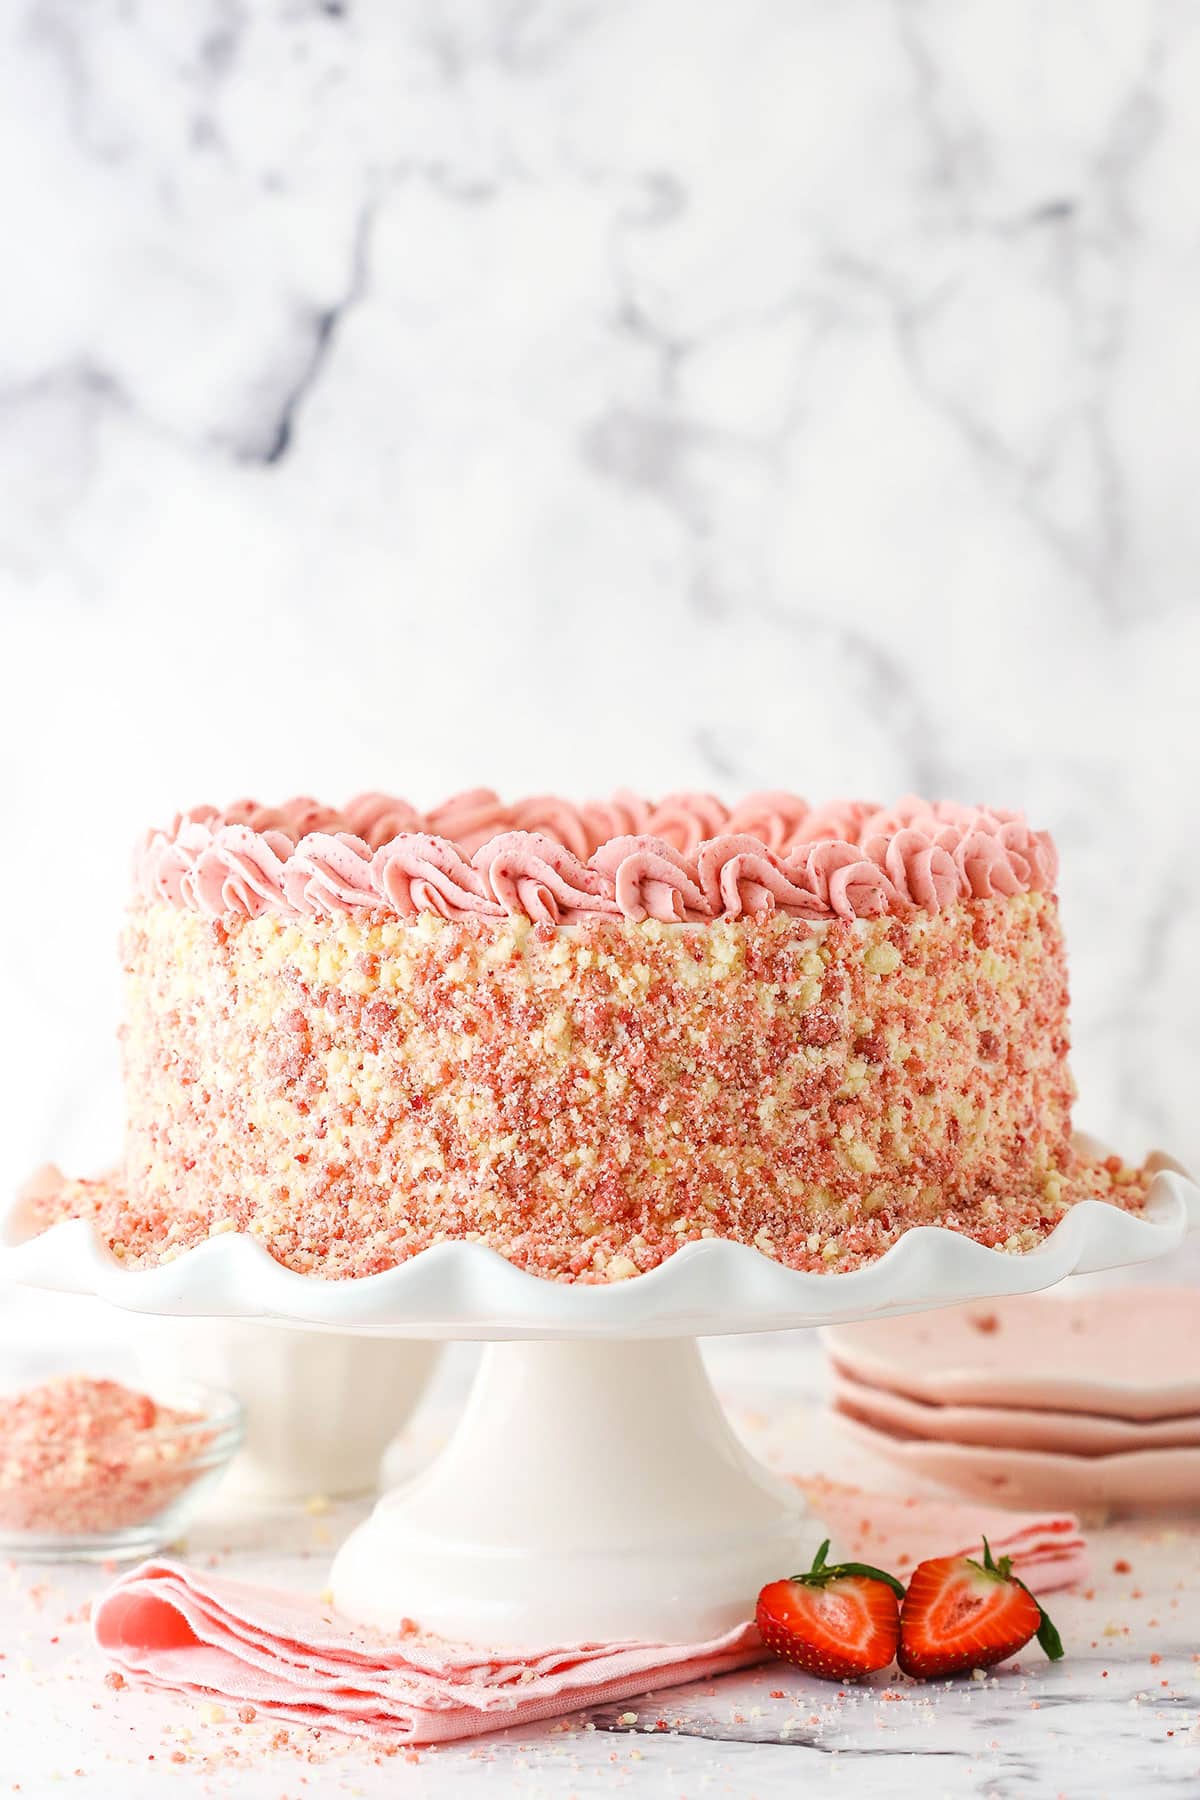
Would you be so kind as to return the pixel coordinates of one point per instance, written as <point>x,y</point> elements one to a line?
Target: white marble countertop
<point>1120,1716</point>
<point>571,396</point>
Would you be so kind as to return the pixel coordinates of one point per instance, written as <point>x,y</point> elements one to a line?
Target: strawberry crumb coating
<point>79,1455</point>
<point>352,1088</point>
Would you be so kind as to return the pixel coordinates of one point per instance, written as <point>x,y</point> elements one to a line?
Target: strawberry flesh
<point>959,1614</point>
<point>839,1622</point>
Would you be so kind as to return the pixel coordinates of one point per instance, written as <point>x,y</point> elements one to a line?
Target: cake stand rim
<point>458,1290</point>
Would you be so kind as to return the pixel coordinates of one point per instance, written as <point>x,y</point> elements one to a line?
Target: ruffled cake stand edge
<point>594,1489</point>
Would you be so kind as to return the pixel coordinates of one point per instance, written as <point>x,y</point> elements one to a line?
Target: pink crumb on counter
<point>79,1454</point>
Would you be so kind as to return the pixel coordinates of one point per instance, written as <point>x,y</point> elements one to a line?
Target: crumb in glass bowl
<point>89,1467</point>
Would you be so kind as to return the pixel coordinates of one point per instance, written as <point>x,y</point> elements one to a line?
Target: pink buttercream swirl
<point>256,817</point>
<point>651,880</point>
<point>551,817</point>
<point>419,873</point>
<point>933,817</point>
<point>1033,854</point>
<point>985,868</point>
<point>378,818</point>
<point>531,874</point>
<point>166,863</point>
<point>776,819</point>
<point>742,878</point>
<point>920,868</point>
<point>242,871</point>
<point>624,815</point>
<point>303,815</point>
<point>470,819</point>
<point>686,820</point>
<point>846,883</point>
<point>329,873</point>
<point>840,822</point>
<point>678,860</point>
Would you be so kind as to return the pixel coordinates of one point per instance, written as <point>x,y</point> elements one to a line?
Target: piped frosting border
<point>685,859</point>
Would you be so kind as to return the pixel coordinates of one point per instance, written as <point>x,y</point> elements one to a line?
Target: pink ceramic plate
<point>1009,1427</point>
<point>1131,1353</point>
<point>1139,1481</point>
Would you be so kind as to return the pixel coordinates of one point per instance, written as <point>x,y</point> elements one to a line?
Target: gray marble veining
<point>569,394</point>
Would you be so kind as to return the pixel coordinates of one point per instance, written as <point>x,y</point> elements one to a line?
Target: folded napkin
<point>1048,1549</point>
<point>290,1655</point>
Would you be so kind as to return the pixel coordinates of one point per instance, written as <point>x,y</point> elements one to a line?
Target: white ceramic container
<point>321,1407</point>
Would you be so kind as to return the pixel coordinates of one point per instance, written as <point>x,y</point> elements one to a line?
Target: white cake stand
<point>593,1489</point>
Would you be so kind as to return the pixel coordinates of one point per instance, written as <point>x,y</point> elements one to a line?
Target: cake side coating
<point>584,1035</point>
<point>585,1099</point>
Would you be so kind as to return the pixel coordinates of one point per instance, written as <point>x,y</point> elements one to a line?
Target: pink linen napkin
<point>291,1655</point>
<point>1048,1549</point>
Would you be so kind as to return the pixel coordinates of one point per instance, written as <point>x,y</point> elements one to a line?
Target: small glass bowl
<point>129,1506</point>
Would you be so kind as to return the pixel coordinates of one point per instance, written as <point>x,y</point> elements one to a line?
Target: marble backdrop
<point>420,393</point>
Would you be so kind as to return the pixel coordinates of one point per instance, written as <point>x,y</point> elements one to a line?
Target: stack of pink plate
<point>1090,1403</point>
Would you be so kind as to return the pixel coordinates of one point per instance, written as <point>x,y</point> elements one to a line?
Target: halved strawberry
<point>960,1614</point>
<point>838,1620</point>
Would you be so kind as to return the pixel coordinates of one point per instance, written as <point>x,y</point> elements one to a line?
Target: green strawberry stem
<point>823,1572</point>
<point>1047,1631</point>
<point>1047,1634</point>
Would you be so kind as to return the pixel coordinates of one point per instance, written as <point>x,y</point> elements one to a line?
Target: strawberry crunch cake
<point>586,1035</point>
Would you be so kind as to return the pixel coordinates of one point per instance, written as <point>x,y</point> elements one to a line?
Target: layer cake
<point>586,1035</point>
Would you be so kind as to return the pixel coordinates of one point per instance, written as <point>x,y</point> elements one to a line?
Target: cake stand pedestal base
<point>591,1492</point>
<point>594,1491</point>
